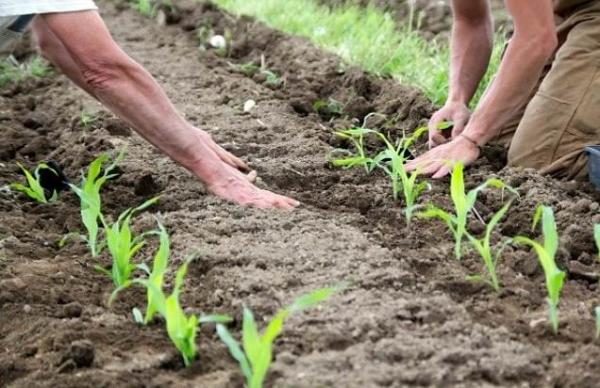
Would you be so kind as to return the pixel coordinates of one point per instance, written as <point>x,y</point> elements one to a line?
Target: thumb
<point>436,137</point>
<point>459,127</point>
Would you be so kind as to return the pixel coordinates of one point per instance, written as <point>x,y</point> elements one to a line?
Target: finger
<point>413,164</point>
<point>442,172</point>
<point>285,203</point>
<point>420,166</point>
<point>436,139</point>
<point>431,169</point>
<point>229,158</point>
<point>252,176</point>
<point>459,127</point>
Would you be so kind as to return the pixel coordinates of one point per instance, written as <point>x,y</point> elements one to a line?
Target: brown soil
<point>409,317</point>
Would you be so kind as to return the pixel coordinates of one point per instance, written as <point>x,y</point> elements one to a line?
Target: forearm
<point>533,43</point>
<point>133,94</point>
<point>471,49</point>
<point>514,82</point>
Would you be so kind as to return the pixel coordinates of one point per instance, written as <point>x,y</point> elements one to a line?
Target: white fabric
<point>28,7</point>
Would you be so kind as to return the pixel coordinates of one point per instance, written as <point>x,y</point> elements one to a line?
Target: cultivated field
<point>408,316</point>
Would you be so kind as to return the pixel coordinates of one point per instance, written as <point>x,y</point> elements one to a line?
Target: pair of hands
<point>446,148</point>
<point>235,181</point>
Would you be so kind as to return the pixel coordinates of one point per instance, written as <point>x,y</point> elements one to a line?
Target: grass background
<point>366,37</point>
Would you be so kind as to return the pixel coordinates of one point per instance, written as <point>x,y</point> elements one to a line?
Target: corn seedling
<point>89,196</point>
<point>464,203</point>
<point>484,248</point>
<point>392,161</point>
<point>329,108</point>
<point>249,69</point>
<point>34,188</point>
<point>597,238</point>
<point>123,245</point>
<point>546,253</point>
<point>11,71</point>
<point>181,328</point>
<point>357,137</point>
<point>157,275</point>
<point>87,119</point>
<point>256,352</point>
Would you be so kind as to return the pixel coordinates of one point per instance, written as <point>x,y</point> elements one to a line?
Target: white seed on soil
<point>249,105</point>
<point>217,41</point>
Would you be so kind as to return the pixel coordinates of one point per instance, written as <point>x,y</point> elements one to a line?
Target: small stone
<point>35,120</point>
<point>27,309</point>
<point>29,351</point>
<point>82,353</point>
<point>71,310</point>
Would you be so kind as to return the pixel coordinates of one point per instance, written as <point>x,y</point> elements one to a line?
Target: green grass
<point>13,72</point>
<point>366,37</point>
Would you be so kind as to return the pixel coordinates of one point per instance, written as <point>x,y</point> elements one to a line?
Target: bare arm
<point>471,48</point>
<point>533,43</point>
<point>81,46</point>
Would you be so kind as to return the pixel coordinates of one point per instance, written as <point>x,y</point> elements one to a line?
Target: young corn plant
<point>486,251</point>
<point>87,119</point>
<point>464,203</point>
<point>181,328</point>
<point>255,355</point>
<point>123,245</point>
<point>360,159</point>
<point>89,196</point>
<point>11,71</point>
<point>392,161</point>
<point>156,276</point>
<point>34,188</point>
<point>546,253</point>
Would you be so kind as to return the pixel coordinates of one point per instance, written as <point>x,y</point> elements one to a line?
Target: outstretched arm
<point>471,49</point>
<point>79,44</point>
<point>533,43</point>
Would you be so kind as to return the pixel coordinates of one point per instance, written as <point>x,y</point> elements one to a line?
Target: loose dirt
<point>408,316</point>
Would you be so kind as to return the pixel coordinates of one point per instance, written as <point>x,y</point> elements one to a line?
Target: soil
<point>408,317</point>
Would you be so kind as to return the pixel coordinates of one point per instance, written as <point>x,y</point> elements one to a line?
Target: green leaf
<point>215,318</point>
<point>457,188</point>
<point>312,299</point>
<point>181,273</point>
<point>235,350</point>
<point>250,337</point>
<point>554,277</point>
<point>117,291</point>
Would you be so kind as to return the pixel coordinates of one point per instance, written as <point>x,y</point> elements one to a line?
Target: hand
<point>236,187</point>
<point>222,153</point>
<point>457,113</point>
<point>439,161</point>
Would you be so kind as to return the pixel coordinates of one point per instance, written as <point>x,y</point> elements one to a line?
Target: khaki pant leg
<point>564,115</point>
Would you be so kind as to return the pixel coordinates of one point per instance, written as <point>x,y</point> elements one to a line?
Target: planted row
<point>392,159</point>
<point>254,356</point>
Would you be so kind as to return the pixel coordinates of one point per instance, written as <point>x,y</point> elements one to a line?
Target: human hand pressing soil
<point>438,162</point>
<point>80,45</point>
<point>455,112</point>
